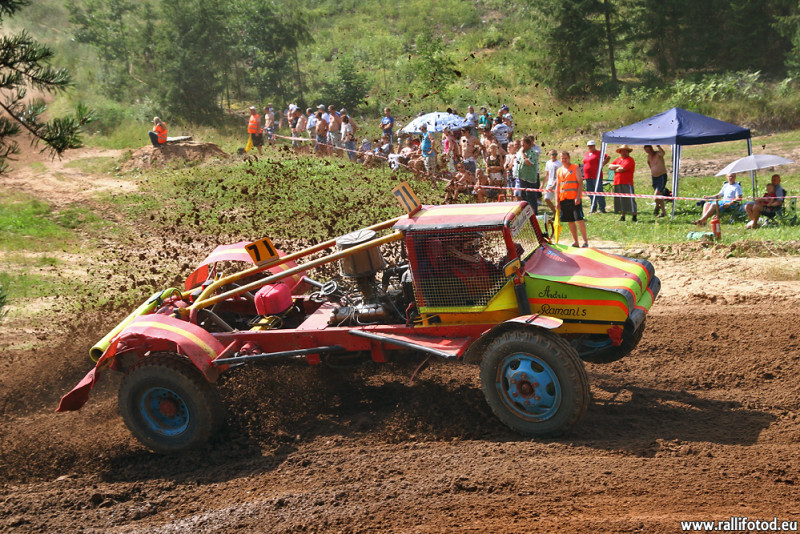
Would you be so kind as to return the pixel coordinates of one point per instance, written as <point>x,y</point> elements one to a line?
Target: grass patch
<point>97,165</point>
<point>27,224</point>
<point>32,285</point>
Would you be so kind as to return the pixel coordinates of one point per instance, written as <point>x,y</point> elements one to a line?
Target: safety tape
<point>530,189</point>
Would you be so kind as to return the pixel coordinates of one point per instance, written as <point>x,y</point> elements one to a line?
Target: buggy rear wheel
<point>168,404</point>
<point>534,383</point>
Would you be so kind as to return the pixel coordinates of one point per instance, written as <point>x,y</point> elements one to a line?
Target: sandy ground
<point>700,422</point>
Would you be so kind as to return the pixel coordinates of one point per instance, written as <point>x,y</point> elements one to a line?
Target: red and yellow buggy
<point>476,283</point>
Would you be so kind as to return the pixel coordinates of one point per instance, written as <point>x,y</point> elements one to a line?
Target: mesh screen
<point>527,238</point>
<point>462,269</point>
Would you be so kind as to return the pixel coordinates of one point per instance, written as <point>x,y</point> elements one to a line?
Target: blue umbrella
<point>436,122</point>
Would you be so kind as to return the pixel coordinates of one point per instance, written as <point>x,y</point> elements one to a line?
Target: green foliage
<point>431,70</point>
<point>348,88</point>
<point>24,64</point>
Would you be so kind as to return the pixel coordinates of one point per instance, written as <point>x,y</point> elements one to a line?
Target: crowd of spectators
<point>486,159</point>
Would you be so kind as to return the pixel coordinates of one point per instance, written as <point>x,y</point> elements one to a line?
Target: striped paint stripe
<point>188,335</point>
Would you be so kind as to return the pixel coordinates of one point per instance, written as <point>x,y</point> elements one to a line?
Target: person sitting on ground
<point>158,136</point>
<point>385,148</point>
<point>755,208</point>
<point>463,182</point>
<point>728,197</point>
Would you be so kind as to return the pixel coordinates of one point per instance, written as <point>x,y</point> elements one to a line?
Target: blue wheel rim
<point>164,411</point>
<point>528,387</point>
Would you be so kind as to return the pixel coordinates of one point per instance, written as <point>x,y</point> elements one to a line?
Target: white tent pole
<point>752,172</point>
<point>676,166</point>
<point>598,180</point>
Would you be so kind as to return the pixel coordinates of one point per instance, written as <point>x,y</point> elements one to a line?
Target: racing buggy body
<point>477,283</point>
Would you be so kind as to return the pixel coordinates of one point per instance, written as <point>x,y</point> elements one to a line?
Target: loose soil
<point>701,421</point>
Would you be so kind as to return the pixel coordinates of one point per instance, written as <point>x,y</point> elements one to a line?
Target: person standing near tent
<point>158,136</point>
<point>591,164</point>
<point>623,168</point>
<point>428,154</point>
<point>254,129</point>
<point>658,170</point>
<point>569,191</point>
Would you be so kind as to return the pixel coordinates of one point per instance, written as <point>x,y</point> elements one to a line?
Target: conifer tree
<point>24,65</point>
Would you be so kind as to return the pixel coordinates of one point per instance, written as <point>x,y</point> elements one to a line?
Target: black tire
<point>518,399</point>
<point>168,404</point>
<point>599,349</point>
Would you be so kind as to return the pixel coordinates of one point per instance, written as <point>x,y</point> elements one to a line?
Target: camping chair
<point>785,214</point>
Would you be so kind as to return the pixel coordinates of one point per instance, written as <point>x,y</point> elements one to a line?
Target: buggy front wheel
<point>534,383</point>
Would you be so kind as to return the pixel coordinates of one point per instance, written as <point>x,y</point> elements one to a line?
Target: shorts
<point>258,139</point>
<point>271,133</point>
<point>430,162</point>
<point>550,195</point>
<point>469,164</point>
<point>568,211</point>
<point>659,182</point>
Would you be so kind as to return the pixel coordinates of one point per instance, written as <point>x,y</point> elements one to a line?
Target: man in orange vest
<point>158,136</point>
<point>569,191</point>
<point>254,129</point>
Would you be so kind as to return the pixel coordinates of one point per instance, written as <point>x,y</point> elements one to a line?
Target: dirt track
<point>702,421</point>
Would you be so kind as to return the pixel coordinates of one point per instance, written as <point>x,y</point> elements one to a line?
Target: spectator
<point>463,182</point>
<point>591,164</point>
<point>428,154</point>
<point>450,150</point>
<point>485,119</point>
<point>728,197</point>
<point>528,165</point>
<point>387,124</point>
<point>472,121</point>
<point>311,123</point>
<point>550,169</point>
<point>386,147</point>
<point>658,170</point>
<point>512,169</point>
<point>569,190</point>
<point>342,113</point>
<point>269,123</point>
<point>501,132</point>
<point>158,136</point>
<point>298,125</point>
<point>494,168</point>
<point>321,132</point>
<point>334,128</point>
<point>254,129</point>
<point>348,135</point>
<point>768,201</point>
<point>769,208</point>
<point>471,148</point>
<point>624,167</point>
<point>508,120</point>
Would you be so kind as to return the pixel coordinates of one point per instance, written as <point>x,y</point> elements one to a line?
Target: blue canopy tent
<point>676,127</point>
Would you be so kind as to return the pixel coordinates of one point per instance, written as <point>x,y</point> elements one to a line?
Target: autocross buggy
<point>477,283</point>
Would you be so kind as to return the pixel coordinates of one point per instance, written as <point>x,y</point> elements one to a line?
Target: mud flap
<point>151,333</point>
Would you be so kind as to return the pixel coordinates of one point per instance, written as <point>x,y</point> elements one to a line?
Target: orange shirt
<point>254,126</point>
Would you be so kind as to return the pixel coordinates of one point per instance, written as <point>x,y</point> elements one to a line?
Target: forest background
<point>564,67</point>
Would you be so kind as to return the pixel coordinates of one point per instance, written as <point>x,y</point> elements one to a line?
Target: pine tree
<point>25,64</point>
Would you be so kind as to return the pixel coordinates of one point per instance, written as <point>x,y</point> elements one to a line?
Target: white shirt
<point>347,128</point>
<point>550,168</point>
<point>730,192</point>
<point>472,119</point>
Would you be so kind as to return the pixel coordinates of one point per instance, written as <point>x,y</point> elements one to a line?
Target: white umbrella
<point>754,162</point>
<point>435,122</point>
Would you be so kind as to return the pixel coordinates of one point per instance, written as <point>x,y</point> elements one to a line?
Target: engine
<point>371,303</point>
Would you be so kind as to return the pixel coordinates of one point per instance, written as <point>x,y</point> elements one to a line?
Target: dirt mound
<point>151,156</point>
